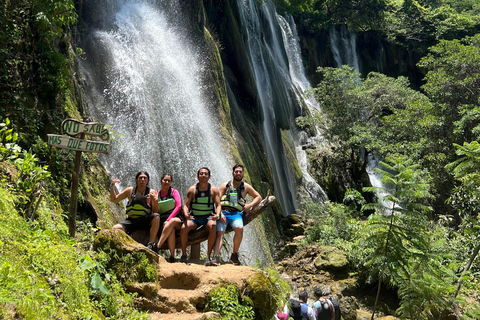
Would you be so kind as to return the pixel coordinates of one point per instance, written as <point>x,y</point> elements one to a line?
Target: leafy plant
<point>400,248</point>
<point>228,302</point>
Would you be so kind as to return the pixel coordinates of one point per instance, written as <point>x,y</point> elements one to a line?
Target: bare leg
<point>237,239</point>
<point>218,243</point>
<point>167,230</point>
<point>176,224</point>
<point>119,227</point>
<point>212,235</point>
<point>189,225</point>
<point>155,224</point>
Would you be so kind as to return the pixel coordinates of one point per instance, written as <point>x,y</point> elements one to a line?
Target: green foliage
<point>229,303</point>
<point>397,245</point>
<point>317,14</point>
<point>128,268</point>
<point>337,227</point>
<point>41,276</point>
<point>452,82</point>
<point>267,291</point>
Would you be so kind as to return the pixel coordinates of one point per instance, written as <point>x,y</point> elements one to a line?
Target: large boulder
<point>331,258</point>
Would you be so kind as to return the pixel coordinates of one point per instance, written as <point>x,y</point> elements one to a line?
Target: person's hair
<point>238,165</point>
<point>303,295</point>
<point>166,174</point>
<point>145,173</point>
<point>198,172</point>
<point>318,292</point>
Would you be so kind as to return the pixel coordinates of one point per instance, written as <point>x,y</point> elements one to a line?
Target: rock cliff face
<point>374,53</point>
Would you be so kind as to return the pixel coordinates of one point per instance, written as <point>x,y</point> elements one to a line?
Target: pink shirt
<point>178,202</point>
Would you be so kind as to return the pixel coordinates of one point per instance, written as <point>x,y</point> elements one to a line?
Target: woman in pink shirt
<point>169,204</point>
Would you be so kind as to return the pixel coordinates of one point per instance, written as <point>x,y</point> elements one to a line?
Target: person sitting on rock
<point>201,208</point>
<point>232,199</point>
<point>141,208</point>
<point>171,219</point>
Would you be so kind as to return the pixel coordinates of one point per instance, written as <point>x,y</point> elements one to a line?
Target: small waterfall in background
<point>301,84</point>
<point>344,49</point>
<point>143,79</point>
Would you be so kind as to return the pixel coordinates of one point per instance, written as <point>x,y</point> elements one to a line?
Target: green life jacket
<point>226,202</point>
<point>166,204</point>
<point>138,207</point>
<point>203,204</point>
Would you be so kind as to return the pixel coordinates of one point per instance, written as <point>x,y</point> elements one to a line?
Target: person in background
<point>232,199</point>
<point>141,208</point>
<point>201,208</point>
<point>299,309</point>
<point>169,205</point>
<point>325,309</point>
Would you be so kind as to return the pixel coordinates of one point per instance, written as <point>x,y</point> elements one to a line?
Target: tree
<point>397,244</point>
<point>466,169</point>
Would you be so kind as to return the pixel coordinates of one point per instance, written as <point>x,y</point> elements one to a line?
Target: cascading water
<point>143,78</point>
<point>344,47</point>
<point>280,82</point>
<point>301,84</point>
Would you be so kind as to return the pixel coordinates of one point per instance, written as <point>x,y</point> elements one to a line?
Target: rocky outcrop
<point>180,290</point>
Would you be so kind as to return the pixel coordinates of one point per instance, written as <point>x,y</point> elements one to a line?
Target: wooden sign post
<point>74,128</point>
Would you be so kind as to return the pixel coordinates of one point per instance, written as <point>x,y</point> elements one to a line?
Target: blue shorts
<point>234,218</point>
<point>201,220</point>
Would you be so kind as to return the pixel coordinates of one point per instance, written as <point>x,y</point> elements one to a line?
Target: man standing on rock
<point>233,203</point>
<point>201,208</point>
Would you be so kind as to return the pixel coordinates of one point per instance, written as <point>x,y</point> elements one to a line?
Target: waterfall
<point>143,77</point>
<point>301,84</point>
<point>344,47</point>
<point>274,51</point>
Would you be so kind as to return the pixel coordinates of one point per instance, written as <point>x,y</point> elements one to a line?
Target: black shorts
<point>140,223</point>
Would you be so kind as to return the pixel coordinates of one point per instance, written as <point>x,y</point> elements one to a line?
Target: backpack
<point>324,309</point>
<point>295,310</point>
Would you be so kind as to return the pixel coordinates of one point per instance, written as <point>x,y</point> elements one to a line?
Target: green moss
<point>267,291</point>
<point>126,259</point>
<point>289,148</point>
<point>218,81</point>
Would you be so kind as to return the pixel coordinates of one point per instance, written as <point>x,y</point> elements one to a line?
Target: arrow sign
<point>74,127</point>
<point>70,143</point>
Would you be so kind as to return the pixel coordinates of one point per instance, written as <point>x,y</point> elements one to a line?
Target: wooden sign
<point>74,127</point>
<point>75,144</point>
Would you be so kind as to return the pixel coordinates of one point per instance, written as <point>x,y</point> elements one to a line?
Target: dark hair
<point>145,173</point>
<point>238,165</point>
<point>198,172</point>
<point>318,292</point>
<point>166,174</point>
<point>303,295</point>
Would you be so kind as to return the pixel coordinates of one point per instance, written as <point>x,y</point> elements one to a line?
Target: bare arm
<point>114,197</point>
<point>153,199</point>
<point>188,201</point>
<point>255,195</point>
<point>223,189</point>
<point>216,201</point>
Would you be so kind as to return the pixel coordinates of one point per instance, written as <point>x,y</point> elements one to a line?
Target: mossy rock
<point>331,258</point>
<point>294,218</point>
<point>129,260</point>
<point>262,292</point>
